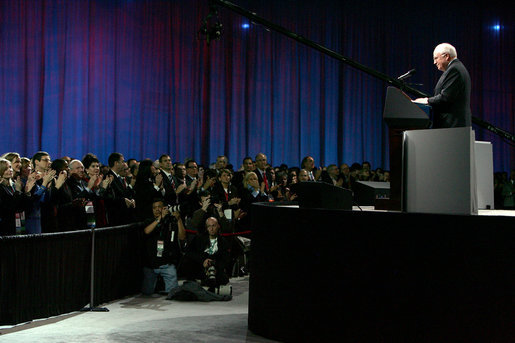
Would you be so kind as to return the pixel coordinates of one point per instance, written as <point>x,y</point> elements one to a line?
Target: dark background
<point>131,76</point>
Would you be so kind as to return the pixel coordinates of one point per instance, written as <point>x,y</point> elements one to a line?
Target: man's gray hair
<point>74,162</point>
<point>446,48</point>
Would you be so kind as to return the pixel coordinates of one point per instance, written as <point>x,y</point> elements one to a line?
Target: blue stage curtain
<point>132,76</point>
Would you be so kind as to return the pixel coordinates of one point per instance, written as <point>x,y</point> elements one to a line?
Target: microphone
<point>406,75</point>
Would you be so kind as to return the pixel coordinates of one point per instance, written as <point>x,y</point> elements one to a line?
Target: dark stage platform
<point>377,276</point>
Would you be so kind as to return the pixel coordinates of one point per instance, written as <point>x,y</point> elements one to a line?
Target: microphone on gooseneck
<point>406,75</point>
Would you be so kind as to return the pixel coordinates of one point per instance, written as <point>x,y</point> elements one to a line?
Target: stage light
<point>245,26</point>
<point>496,27</point>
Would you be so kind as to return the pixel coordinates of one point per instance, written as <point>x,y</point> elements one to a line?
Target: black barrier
<point>50,274</point>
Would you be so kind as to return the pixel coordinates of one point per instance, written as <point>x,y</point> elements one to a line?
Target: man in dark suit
<point>261,164</point>
<point>451,101</point>
<point>72,198</point>
<point>119,198</point>
<point>248,166</point>
<point>165,165</point>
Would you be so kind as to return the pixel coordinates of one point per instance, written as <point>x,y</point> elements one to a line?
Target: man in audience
<point>208,257</point>
<point>345,175</point>
<point>331,176</point>
<point>163,236</point>
<point>165,166</point>
<point>303,175</point>
<point>248,166</point>
<point>41,162</point>
<point>119,198</point>
<point>41,165</point>
<point>191,174</point>
<point>261,164</point>
<point>308,163</point>
<point>73,197</point>
<point>221,162</point>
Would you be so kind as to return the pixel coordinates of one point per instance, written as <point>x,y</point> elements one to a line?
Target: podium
<point>400,114</point>
<point>440,171</point>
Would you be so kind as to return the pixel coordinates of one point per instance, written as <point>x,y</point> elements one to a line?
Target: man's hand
<point>159,180</point>
<point>63,175</point>
<point>205,204</point>
<point>130,203</point>
<point>234,201</point>
<point>48,176</point>
<point>422,101</point>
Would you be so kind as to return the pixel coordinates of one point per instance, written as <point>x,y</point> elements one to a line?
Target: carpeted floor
<point>146,319</point>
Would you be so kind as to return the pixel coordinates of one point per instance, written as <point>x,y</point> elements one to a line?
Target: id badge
<point>160,248</point>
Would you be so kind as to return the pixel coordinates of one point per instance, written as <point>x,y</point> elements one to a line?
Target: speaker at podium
<point>366,193</point>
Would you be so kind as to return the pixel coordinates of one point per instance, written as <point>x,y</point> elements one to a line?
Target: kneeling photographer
<point>163,236</point>
<point>208,258</point>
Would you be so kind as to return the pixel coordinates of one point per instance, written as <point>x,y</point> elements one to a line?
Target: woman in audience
<point>15,160</point>
<point>292,176</point>
<point>14,199</point>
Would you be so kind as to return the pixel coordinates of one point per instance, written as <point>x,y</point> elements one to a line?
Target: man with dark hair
<point>308,163</point>
<point>163,236</point>
<point>41,161</point>
<point>192,174</point>
<point>119,197</point>
<point>248,166</point>
<point>166,170</point>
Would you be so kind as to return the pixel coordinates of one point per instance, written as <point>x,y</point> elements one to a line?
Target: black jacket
<point>451,102</point>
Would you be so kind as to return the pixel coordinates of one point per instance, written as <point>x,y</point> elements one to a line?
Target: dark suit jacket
<point>261,179</point>
<point>11,202</point>
<point>170,196</point>
<point>218,195</point>
<point>451,102</point>
<point>117,211</point>
<point>71,215</point>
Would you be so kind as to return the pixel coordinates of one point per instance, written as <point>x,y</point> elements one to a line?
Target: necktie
<point>266,181</point>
